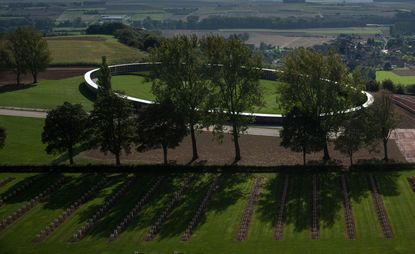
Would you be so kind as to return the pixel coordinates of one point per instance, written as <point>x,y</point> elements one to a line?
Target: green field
<point>90,49</point>
<point>48,94</point>
<point>23,143</point>
<point>219,225</point>
<point>153,14</point>
<point>397,79</point>
<point>136,86</point>
<point>315,31</point>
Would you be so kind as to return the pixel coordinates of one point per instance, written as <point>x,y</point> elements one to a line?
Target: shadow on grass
<point>85,91</point>
<point>14,87</point>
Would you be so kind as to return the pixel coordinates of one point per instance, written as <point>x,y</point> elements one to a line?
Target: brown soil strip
<point>348,212</point>
<point>315,209</point>
<point>279,227</point>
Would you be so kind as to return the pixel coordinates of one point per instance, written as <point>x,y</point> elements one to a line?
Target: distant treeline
<point>133,37</point>
<point>404,24</point>
<point>10,24</point>
<point>218,22</point>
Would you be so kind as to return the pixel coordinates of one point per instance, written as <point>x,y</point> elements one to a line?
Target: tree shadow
<point>64,157</point>
<point>14,87</point>
<point>270,199</point>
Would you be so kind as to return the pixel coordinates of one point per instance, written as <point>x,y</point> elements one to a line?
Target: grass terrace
<point>397,79</point>
<point>218,225</point>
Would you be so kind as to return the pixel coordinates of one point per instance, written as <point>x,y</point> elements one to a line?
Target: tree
<point>320,87</point>
<point>38,57</point>
<point>382,120</point>
<point>160,125</point>
<point>181,78</point>
<point>104,77</point>
<point>300,133</point>
<point>235,71</point>
<point>113,121</point>
<point>353,134</point>
<point>2,137</point>
<point>17,52</point>
<point>65,127</point>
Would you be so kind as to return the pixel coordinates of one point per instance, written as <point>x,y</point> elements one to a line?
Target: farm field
<point>48,94</point>
<point>88,50</point>
<point>136,86</point>
<point>315,31</point>
<point>219,224</point>
<point>397,79</point>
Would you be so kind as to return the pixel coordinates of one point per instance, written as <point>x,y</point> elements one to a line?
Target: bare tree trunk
<point>117,159</point>
<point>351,159</point>
<point>165,154</point>
<point>326,155</point>
<point>385,150</point>
<point>194,145</point>
<point>34,74</point>
<point>18,77</point>
<point>236,143</point>
<point>304,157</point>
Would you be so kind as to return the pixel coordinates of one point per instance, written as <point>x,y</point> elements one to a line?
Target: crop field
<point>315,31</point>
<point>397,79</point>
<point>48,94</point>
<point>83,50</point>
<point>136,86</point>
<point>223,213</point>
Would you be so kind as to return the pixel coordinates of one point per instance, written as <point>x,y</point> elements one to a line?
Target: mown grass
<point>23,142</point>
<point>72,50</point>
<point>217,230</point>
<point>48,94</point>
<point>137,86</point>
<point>397,79</point>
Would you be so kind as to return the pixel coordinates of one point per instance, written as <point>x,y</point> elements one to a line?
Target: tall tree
<point>235,71</point>
<point>38,57</point>
<point>180,77</point>
<point>2,137</point>
<point>17,52</point>
<point>300,133</point>
<point>113,121</point>
<point>65,127</point>
<point>104,77</point>
<point>382,120</point>
<point>319,86</point>
<point>353,134</point>
<point>160,125</point>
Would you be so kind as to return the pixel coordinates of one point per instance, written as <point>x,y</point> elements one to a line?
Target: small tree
<point>65,127</point>
<point>382,120</point>
<point>38,57</point>
<point>104,77</point>
<point>235,72</point>
<point>160,125</point>
<point>2,137</point>
<point>301,133</point>
<point>113,121</point>
<point>353,135</point>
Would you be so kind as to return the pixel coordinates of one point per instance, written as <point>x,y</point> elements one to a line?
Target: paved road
<point>22,113</point>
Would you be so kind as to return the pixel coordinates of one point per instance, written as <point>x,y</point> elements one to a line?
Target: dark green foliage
<point>113,121</point>
<point>66,127</point>
<point>388,85</point>
<point>300,133</point>
<point>181,78</point>
<point>160,125</point>
<point>107,28</point>
<point>353,134</point>
<point>2,137</point>
<point>38,57</point>
<point>235,73</point>
<point>372,86</point>
<point>104,77</point>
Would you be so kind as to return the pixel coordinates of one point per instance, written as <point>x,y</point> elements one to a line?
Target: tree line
<point>24,51</point>
<point>208,83</point>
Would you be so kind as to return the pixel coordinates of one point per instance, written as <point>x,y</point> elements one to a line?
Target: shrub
<point>388,85</point>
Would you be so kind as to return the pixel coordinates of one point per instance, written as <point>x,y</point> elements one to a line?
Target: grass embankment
<point>89,49</point>
<point>397,79</point>
<point>136,86</point>
<point>219,226</point>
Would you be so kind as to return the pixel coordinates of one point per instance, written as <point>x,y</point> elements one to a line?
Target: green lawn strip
<point>136,86</point>
<point>397,79</point>
<point>23,143</point>
<point>399,201</point>
<point>16,202</point>
<point>48,94</point>
<point>364,212</point>
<point>18,179</point>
